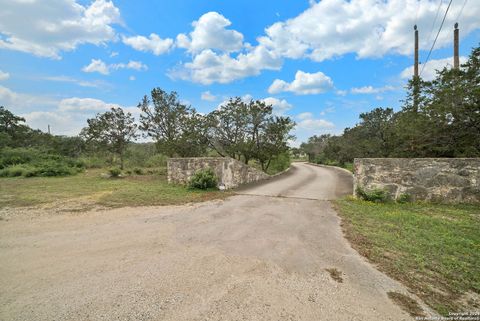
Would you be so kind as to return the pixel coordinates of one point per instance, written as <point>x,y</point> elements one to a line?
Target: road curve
<point>308,181</point>
<point>249,257</point>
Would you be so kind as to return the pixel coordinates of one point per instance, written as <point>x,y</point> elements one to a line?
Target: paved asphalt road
<point>250,257</point>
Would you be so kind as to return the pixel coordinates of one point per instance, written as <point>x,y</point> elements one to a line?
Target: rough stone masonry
<point>230,172</point>
<point>431,179</point>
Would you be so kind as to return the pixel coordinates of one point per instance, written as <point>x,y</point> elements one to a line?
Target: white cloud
<point>132,64</point>
<point>19,102</point>
<point>97,65</point>
<point>132,78</point>
<point>369,28</point>
<point>65,117</point>
<point>206,95</point>
<point>82,83</point>
<point>60,25</point>
<point>210,33</point>
<point>430,70</point>
<point>371,90</point>
<point>153,43</point>
<point>279,106</point>
<point>208,67</point>
<point>84,104</point>
<point>4,75</point>
<point>303,84</point>
<point>219,54</point>
<point>308,122</point>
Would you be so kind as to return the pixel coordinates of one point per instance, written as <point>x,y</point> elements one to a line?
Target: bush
<point>158,160</point>
<point>376,195</point>
<point>404,198</point>
<point>115,172</point>
<point>13,171</point>
<point>279,163</point>
<point>204,179</point>
<point>16,156</point>
<point>138,171</point>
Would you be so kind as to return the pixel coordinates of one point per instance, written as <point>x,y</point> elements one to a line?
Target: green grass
<point>433,249</point>
<point>92,187</point>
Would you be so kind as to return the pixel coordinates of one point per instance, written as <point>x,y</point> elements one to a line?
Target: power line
<point>434,41</point>
<point>461,10</point>
<point>434,21</point>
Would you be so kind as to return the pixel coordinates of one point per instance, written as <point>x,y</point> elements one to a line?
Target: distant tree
<point>273,141</point>
<point>248,130</point>
<point>228,128</point>
<point>176,128</point>
<point>113,130</point>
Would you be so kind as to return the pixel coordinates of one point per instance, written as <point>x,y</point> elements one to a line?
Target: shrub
<point>204,179</point>
<point>13,171</point>
<point>115,172</point>
<point>52,168</point>
<point>376,195</point>
<point>404,198</point>
<point>138,171</point>
<point>158,160</point>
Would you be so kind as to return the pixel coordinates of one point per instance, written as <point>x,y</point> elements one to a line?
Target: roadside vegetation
<point>93,188</point>
<point>439,118</point>
<point>114,170</point>
<point>433,249</point>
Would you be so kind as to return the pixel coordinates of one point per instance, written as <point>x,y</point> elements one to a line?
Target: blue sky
<point>322,63</point>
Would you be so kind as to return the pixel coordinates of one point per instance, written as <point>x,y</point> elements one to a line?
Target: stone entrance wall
<point>431,179</point>
<point>230,172</point>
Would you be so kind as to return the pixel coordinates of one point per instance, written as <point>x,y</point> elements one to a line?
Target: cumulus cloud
<point>219,55</point>
<point>83,104</point>
<point>306,121</point>
<point>206,95</point>
<point>279,106</point>
<point>4,75</point>
<point>303,84</point>
<point>369,28</point>
<point>208,67</point>
<point>430,70</point>
<point>19,102</point>
<point>62,25</point>
<point>153,43</point>
<point>209,32</point>
<point>97,65</point>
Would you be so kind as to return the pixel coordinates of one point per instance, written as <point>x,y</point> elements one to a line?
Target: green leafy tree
<point>112,130</point>
<point>176,128</point>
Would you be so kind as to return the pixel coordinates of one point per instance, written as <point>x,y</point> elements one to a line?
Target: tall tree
<point>113,130</point>
<point>176,128</point>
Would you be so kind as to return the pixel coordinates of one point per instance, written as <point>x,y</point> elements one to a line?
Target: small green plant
<point>204,179</point>
<point>138,171</point>
<point>376,195</point>
<point>115,172</point>
<point>404,198</point>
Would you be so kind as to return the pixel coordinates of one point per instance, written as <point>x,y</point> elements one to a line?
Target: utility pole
<point>49,129</point>
<point>456,60</point>
<point>415,73</point>
<point>416,78</point>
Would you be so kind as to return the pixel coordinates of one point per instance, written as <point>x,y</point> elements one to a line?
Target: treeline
<point>439,118</point>
<point>247,131</point>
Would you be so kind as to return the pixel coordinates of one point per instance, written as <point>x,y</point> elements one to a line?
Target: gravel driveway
<point>253,256</point>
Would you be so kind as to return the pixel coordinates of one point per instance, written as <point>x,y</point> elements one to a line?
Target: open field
<point>433,249</point>
<point>92,189</point>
